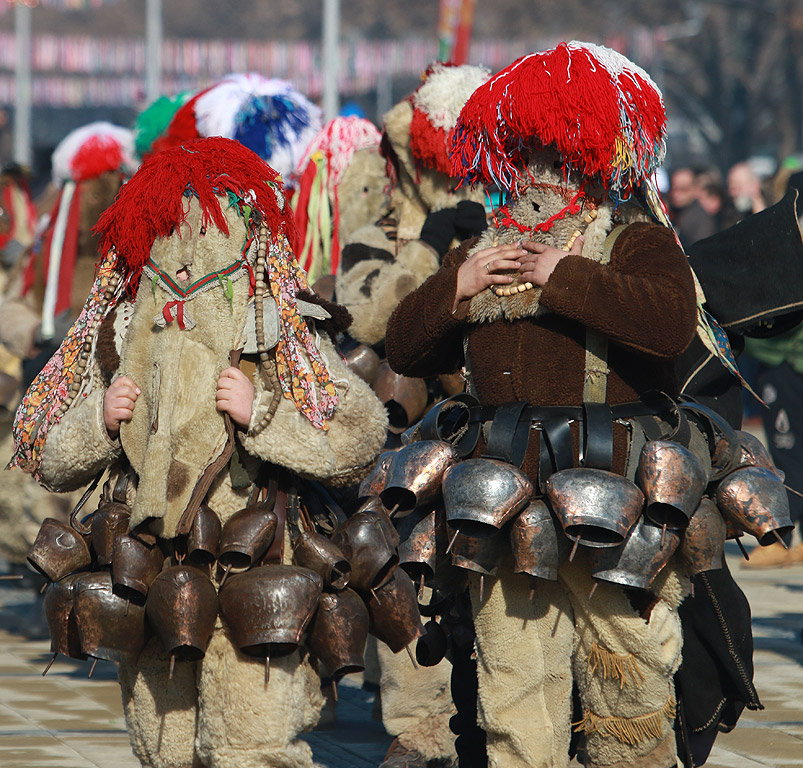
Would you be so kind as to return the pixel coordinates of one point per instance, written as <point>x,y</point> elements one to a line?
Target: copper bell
<point>404,398</point>
<point>110,627</point>
<point>59,603</point>
<point>203,543</point>
<point>637,561</point>
<point>393,609</point>
<point>595,507</point>
<point>537,542</point>
<point>704,539</point>
<point>415,475</point>
<point>58,550</point>
<point>182,607</point>
<point>368,540</point>
<point>673,480</point>
<point>134,567</point>
<point>481,495</point>
<point>364,362</point>
<point>482,556</point>
<point>267,609</point>
<point>246,536</point>
<point>339,632</point>
<point>319,554</point>
<point>423,537</point>
<point>110,521</point>
<point>753,453</point>
<point>374,481</point>
<point>755,500</point>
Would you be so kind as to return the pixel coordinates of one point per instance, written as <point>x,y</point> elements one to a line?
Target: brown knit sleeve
<point>644,299</point>
<point>423,337</point>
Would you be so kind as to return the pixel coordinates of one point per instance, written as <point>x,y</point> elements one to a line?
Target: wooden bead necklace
<point>511,290</point>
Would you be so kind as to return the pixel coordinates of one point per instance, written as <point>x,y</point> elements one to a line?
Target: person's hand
<point>539,260</point>
<point>118,403</point>
<point>482,269</point>
<point>235,395</point>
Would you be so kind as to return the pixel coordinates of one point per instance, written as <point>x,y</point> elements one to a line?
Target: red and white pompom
<point>94,149</point>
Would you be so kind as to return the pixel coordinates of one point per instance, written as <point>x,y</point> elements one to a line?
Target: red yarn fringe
<point>429,144</point>
<point>97,155</point>
<point>151,204</point>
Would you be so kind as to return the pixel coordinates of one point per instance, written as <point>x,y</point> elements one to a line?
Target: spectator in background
<point>691,219</point>
<point>744,187</point>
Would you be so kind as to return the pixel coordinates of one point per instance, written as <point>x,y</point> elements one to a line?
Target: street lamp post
<point>22,80</point>
<point>331,39</point>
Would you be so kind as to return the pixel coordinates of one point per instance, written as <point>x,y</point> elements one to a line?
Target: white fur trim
<point>445,92</point>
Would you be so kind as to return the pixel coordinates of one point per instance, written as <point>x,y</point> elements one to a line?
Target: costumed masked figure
<point>565,316</point>
<point>213,474</point>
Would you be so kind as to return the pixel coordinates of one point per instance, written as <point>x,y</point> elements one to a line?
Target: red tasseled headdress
<point>602,113</point>
<point>152,203</point>
<point>96,155</point>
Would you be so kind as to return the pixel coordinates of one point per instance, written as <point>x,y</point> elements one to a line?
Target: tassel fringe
<point>613,666</point>
<point>630,730</point>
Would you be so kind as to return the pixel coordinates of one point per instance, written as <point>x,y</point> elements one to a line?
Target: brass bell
<point>404,398</point>
<point>482,556</point>
<point>537,542</point>
<point>58,550</point>
<point>134,567</point>
<point>59,602</point>
<point>319,554</point>
<point>596,508</point>
<point>393,610</point>
<point>268,608</point>
<point>415,475</point>
<point>374,481</point>
<point>424,538</point>
<point>753,453</point>
<point>637,561</point>
<point>182,607</point>
<point>704,539</point>
<point>481,495</point>
<point>755,500</point>
<point>368,541</point>
<point>109,627</point>
<point>364,361</point>
<point>246,536</point>
<point>109,521</point>
<point>673,480</point>
<point>203,543</point>
<point>338,633</point>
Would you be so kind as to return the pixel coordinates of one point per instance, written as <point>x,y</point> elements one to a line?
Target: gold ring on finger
<point>488,267</point>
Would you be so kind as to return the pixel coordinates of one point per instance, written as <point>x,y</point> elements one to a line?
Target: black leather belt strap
<point>447,418</point>
<point>597,445</point>
<point>509,434</point>
<point>558,435</point>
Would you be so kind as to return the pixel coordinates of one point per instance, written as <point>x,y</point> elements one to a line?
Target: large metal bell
<point>704,539</point>
<point>339,632</point>
<point>404,398</point>
<point>393,610</point>
<point>424,538</point>
<point>595,507</point>
<point>374,481</point>
<point>58,550</point>
<point>368,541</point>
<point>637,561</point>
<point>268,608</point>
<point>415,475</point>
<point>364,361</point>
<point>481,495</point>
<point>755,500</point>
<point>59,603</point>
<point>319,554</point>
<point>753,453</point>
<point>135,565</point>
<point>203,543</point>
<point>182,607</point>
<point>246,536</point>
<point>109,521</point>
<point>482,556</point>
<point>109,627</point>
<point>673,480</point>
<point>537,542</point>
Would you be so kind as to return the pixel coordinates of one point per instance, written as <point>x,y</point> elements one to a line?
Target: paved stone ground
<point>65,720</point>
